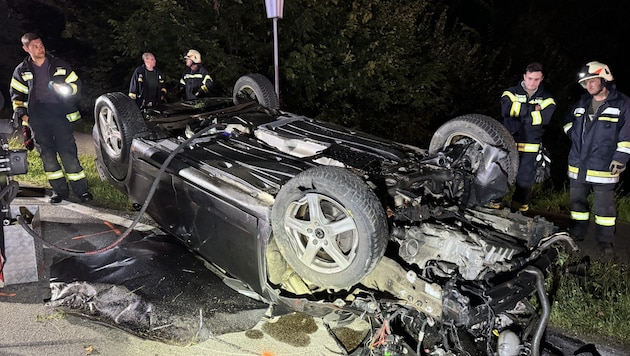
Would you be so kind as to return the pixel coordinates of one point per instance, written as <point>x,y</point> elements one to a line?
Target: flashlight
<point>61,89</point>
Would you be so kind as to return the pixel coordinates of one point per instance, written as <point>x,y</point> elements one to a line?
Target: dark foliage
<point>393,68</point>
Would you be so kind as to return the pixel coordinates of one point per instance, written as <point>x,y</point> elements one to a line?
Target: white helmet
<point>594,70</point>
<point>193,55</point>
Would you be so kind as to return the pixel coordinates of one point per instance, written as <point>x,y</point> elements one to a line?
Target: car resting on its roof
<point>325,219</point>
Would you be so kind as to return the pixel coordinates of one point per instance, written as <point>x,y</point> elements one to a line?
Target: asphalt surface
<point>213,319</point>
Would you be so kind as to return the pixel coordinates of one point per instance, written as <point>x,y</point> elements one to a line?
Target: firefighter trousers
<point>54,136</point>
<point>603,208</point>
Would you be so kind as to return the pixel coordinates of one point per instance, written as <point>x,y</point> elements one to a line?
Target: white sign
<point>274,8</point>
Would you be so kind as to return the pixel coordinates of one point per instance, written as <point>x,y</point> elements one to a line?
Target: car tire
<point>341,244</point>
<point>255,87</point>
<point>118,121</point>
<point>481,128</point>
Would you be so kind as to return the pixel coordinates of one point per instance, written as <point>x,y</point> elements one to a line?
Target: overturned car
<point>323,219</point>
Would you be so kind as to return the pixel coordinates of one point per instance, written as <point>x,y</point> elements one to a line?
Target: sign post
<point>274,12</point>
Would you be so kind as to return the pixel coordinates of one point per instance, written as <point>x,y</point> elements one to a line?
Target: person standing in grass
<point>526,110</point>
<point>147,86</point>
<point>599,131</point>
<point>44,90</point>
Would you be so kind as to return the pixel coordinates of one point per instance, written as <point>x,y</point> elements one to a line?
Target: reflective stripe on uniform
<point>536,118</point>
<point>579,215</point>
<point>75,176</point>
<point>567,127</point>
<point>54,175</point>
<point>605,220</point>
<point>623,146</point>
<point>73,116</point>
<point>15,84</point>
<point>601,177</point>
<point>573,172</point>
<point>547,102</point>
<point>528,147</point>
<point>607,118</point>
<point>611,111</point>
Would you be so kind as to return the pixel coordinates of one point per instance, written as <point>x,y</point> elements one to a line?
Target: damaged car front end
<point>324,219</point>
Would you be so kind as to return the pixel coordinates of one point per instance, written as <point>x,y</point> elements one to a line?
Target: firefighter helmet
<point>193,55</point>
<point>594,70</point>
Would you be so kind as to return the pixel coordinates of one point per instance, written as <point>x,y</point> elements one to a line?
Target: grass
<point>105,195</point>
<point>595,304</point>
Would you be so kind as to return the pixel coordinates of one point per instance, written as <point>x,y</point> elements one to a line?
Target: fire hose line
<point>126,233</point>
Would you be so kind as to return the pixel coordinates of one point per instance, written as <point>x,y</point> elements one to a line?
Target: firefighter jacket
<point>60,72</point>
<point>139,88</point>
<point>596,143</point>
<point>197,83</point>
<point>520,117</point>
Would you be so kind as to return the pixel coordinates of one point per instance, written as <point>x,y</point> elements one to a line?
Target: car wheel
<point>330,227</point>
<point>118,120</point>
<point>255,87</point>
<point>483,129</point>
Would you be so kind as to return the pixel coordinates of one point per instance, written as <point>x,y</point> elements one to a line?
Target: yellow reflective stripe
<point>509,95</point>
<point>72,77</point>
<point>605,220</point>
<point>73,116</point>
<point>601,177</point>
<point>594,173</point>
<point>579,215</point>
<point>623,146</point>
<point>15,84</point>
<point>207,78</point>
<point>567,127</point>
<point>606,118</point>
<point>75,176</point>
<point>60,71</point>
<point>140,80</point>
<point>515,110</point>
<point>54,175</point>
<point>74,87</point>
<point>536,118</point>
<point>132,96</point>
<point>547,102</point>
<point>573,169</point>
<point>528,147</point>
<point>26,76</point>
<point>188,76</point>
<point>19,104</point>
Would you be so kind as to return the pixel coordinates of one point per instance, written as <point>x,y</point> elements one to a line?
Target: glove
<point>617,167</point>
<point>29,143</point>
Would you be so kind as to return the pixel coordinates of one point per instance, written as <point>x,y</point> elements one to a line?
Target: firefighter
<point>526,110</point>
<point>196,80</point>
<point>600,147</point>
<point>43,92</point>
<point>147,86</point>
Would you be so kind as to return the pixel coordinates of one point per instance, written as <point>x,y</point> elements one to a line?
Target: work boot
<point>606,248</point>
<point>56,198</point>
<point>86,197</point>
<point>518,206</point>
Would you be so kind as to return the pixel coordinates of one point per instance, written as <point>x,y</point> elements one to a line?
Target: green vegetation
<point>592,299</point>
<point>105,195</point>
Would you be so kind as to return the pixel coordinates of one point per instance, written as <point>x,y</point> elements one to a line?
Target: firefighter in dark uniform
<point>600,147</point>
<point>526,110</point>
<point>196,80</point>
<point>147,86</point>
<point>43,93</point>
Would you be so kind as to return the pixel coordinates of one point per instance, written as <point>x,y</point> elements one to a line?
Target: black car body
<point>323,219</point>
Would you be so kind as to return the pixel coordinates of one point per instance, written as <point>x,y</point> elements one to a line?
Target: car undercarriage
<point>326,219</point>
